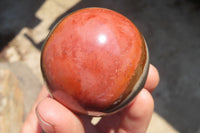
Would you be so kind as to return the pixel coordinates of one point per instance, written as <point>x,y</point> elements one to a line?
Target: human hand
<point>53,117</point>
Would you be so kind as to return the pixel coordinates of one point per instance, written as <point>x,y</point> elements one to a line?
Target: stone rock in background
<point>11,103</point>
<point>29,84</point>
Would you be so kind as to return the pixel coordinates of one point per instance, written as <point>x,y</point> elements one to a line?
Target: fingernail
<point>48,128</point>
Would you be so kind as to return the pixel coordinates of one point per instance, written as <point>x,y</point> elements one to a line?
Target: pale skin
<point>52,117</point>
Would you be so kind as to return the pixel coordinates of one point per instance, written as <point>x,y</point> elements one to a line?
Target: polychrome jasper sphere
<point>95,61</point>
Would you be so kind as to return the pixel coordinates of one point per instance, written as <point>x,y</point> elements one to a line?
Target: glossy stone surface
<point>92,60</point>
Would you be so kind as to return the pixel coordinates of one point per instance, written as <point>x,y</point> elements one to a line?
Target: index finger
<point>152,79</point>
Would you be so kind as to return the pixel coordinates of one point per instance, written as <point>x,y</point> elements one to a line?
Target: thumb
<point>55,118</point>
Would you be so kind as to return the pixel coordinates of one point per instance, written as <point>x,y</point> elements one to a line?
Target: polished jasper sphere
<point>94,61</point>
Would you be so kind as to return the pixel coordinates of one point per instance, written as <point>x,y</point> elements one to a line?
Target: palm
<point>106,124</point>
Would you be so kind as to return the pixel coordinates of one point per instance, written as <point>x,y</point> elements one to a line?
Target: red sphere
<point>92,60</point>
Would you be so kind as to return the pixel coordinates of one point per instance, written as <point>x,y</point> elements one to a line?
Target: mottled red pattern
<point>90,57</point>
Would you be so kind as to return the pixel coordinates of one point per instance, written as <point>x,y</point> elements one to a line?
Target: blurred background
<point>171,29</point>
